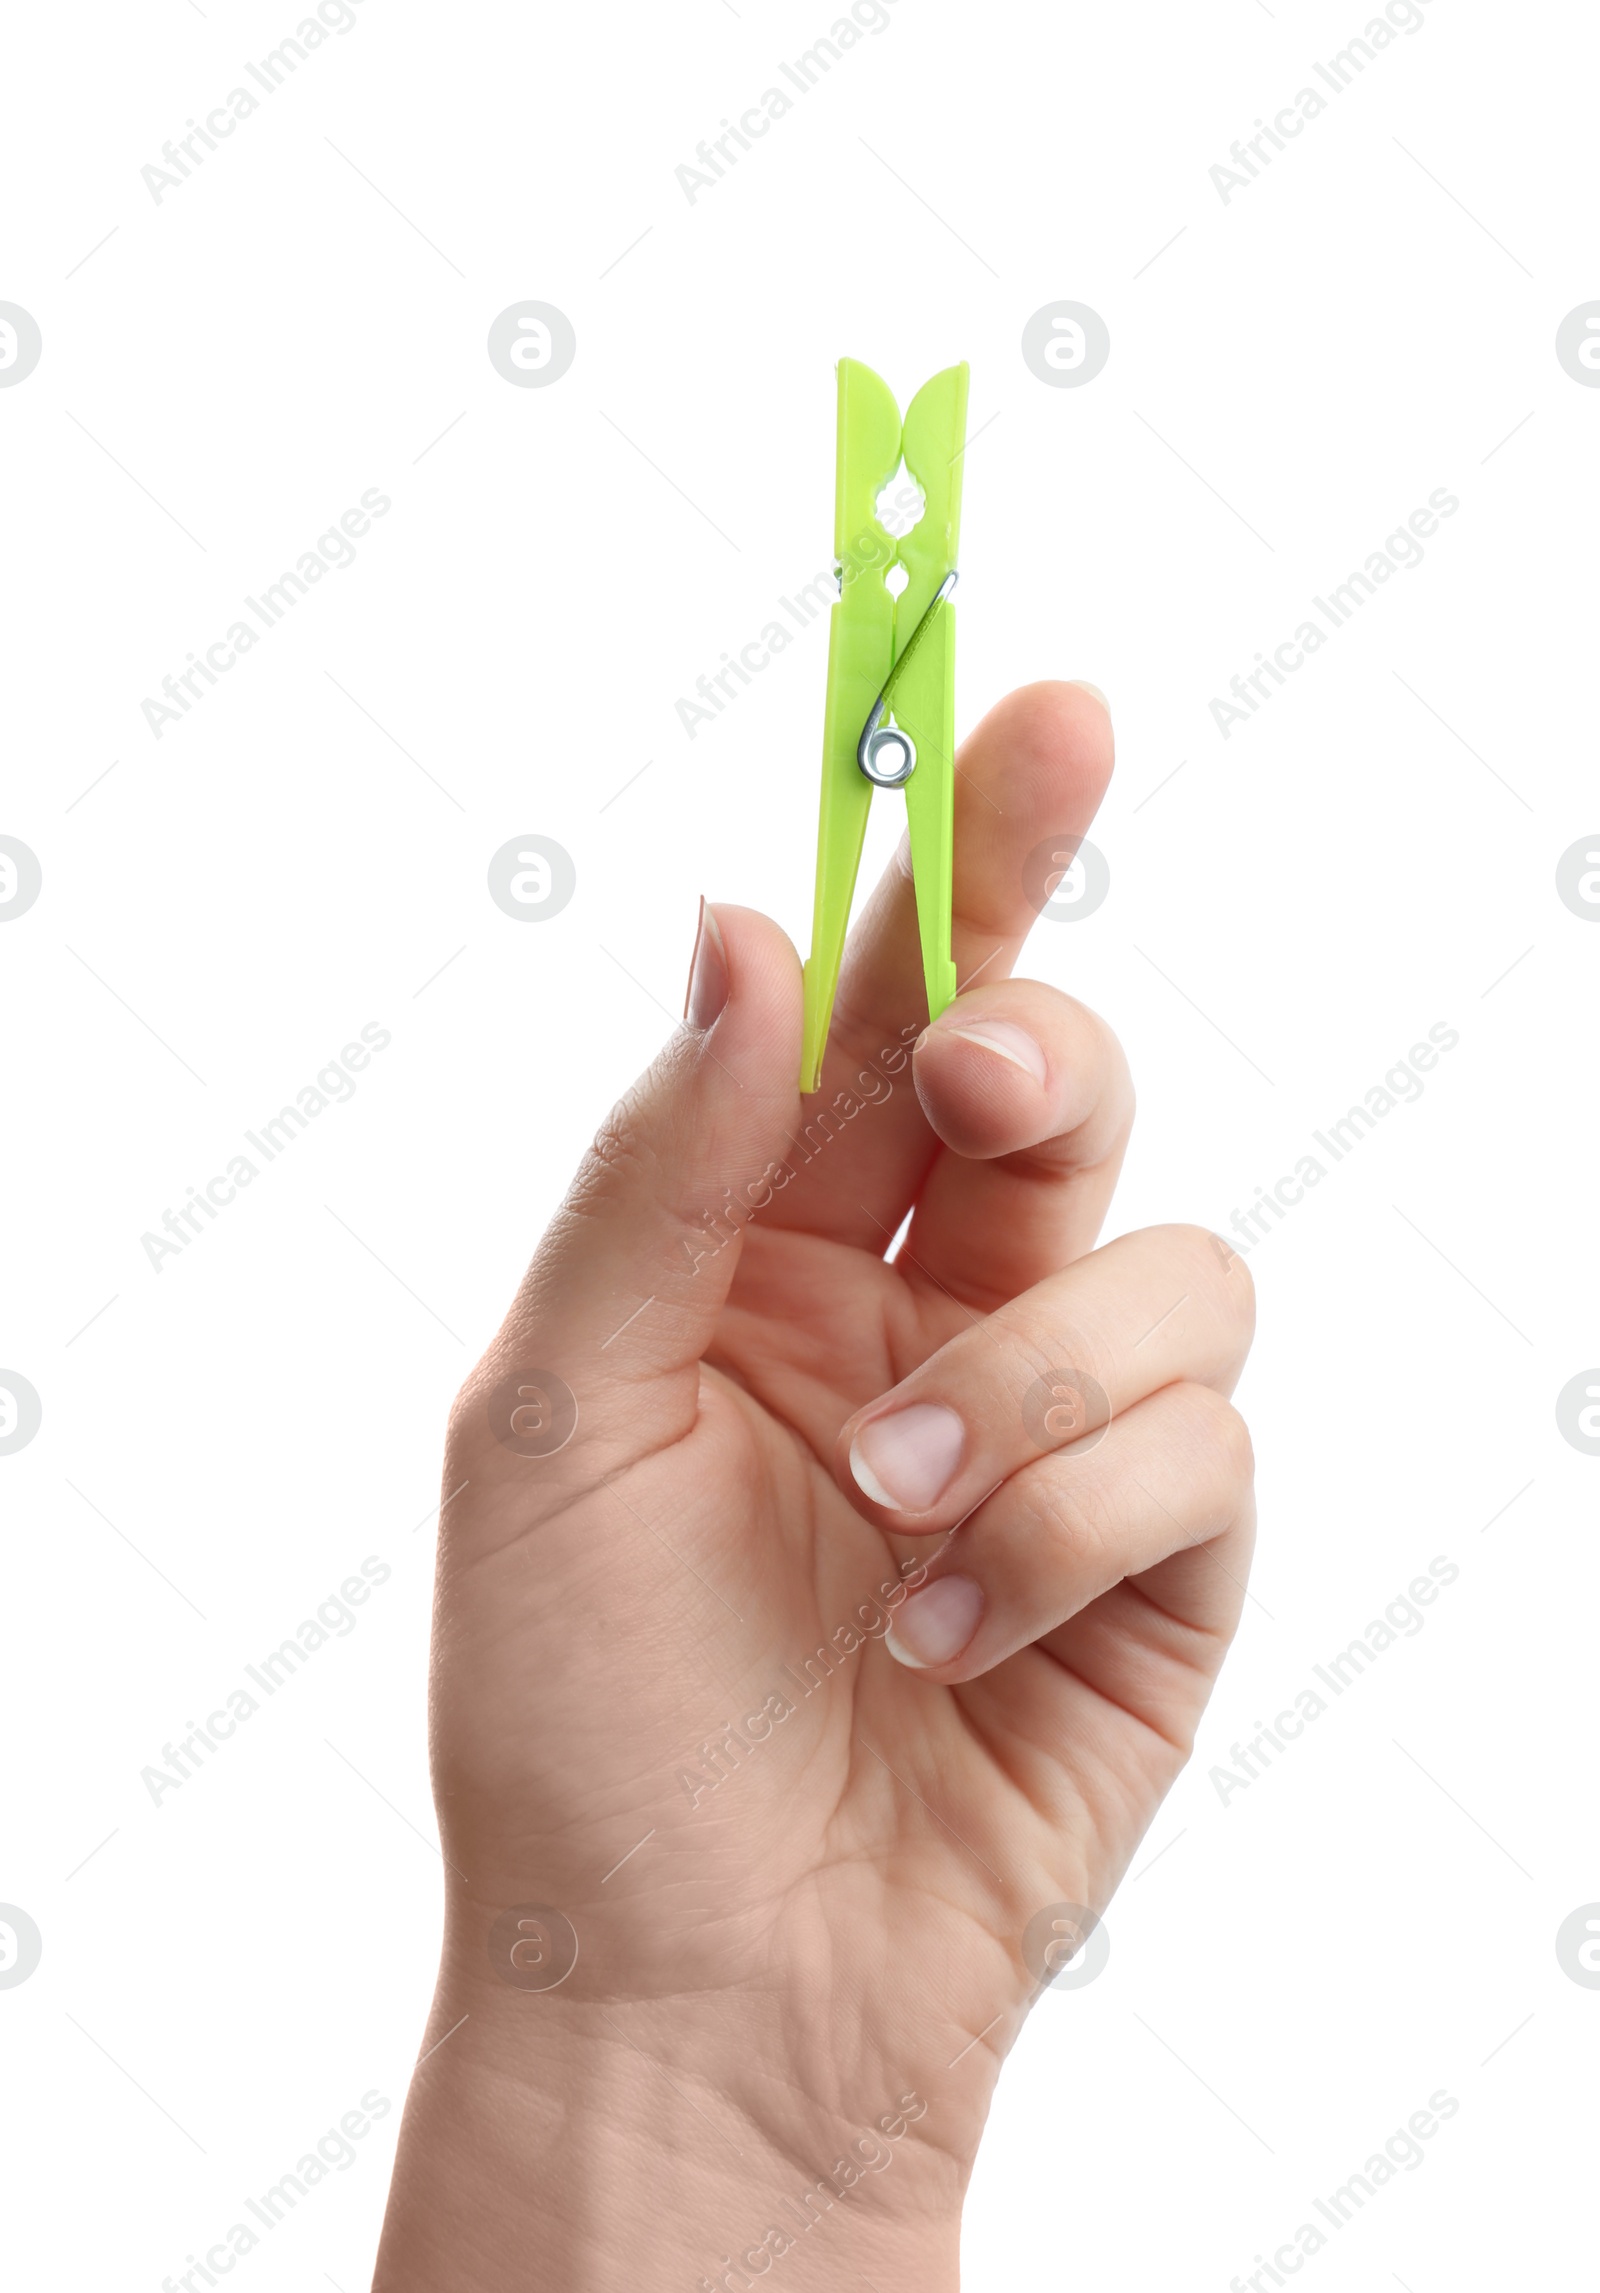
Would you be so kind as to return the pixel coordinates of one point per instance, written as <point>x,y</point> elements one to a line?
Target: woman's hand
<point>854,1630</point>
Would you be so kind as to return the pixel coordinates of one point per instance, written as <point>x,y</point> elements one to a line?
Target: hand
<point>844,1634</point>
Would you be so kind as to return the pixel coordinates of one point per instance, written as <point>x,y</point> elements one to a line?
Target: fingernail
<point>1084,686</point>
<point>935,1624</point>
<point>1011,1042</point>
<point>908,1459</point>
<point>708,972</point>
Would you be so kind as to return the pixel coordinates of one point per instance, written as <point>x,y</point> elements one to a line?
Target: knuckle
<point>465,1432</point>
<point>1098,1035</point>
<point>1240,1285</point>
<point>1118,1097</point>
<point>1044,1341</point>
<point>1197,1246</point>
<point>1044,1004</point>
<point>1223,1275</point>
<point>1239,1451</point>
<point>612,1167</point>
<point>1223,1437</point>
<point>466,1426</point>
<point>1092,1045</point>
<point>1079,1515</point>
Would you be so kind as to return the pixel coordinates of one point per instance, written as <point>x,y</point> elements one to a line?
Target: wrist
<point>592,2143</point>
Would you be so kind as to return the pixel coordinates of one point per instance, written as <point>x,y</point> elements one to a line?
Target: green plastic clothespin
<point>890,718</point>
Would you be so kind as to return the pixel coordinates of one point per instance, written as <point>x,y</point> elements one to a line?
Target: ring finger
<point>1171,1476</point>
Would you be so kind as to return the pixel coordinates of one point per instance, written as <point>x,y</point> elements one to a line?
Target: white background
<point>1292,372</point>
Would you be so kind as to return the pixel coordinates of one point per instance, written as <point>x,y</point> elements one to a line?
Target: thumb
<point>602,1346</point>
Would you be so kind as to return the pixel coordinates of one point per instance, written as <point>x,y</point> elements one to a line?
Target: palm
<point>1108,1750</point>
<point>936,1819</point>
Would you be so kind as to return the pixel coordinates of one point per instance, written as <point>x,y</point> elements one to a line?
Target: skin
<point>804,1960</point>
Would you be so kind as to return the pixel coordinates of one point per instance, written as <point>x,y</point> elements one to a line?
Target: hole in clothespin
<point>897,580</point>
<point>900,503</point>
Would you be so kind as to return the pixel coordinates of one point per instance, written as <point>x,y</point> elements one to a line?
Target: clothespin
<point>890,716</point>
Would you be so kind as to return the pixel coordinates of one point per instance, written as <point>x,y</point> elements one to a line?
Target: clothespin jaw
<point>890,714</point>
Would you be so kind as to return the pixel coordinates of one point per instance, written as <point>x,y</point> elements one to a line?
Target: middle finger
<point>1031,774</point>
